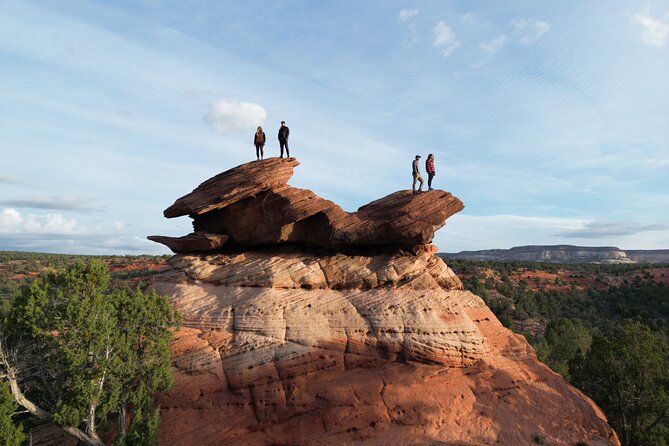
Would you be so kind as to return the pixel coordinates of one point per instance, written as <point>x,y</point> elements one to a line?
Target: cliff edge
<point>308,325</point>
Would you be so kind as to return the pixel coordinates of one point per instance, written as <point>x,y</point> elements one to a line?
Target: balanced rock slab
<point>253,206</point>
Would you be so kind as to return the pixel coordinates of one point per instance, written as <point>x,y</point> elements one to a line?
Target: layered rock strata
<point>253,206</point>
<point>318,338</point>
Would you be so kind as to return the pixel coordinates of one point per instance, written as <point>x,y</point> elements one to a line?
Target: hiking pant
<point>417,177</point>
<point>260,153</point>
<point>429,180</point>
<point>284,143</point>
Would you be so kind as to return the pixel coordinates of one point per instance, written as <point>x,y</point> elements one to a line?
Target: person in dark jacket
<point>259,141</point>
<point>429,168</point>
<point>284,132</point>
<point>415,171</point>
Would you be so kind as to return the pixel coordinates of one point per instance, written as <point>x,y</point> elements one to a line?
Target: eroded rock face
<point>253,206</point>
<point>364,362</point>
<point>291,268</point>
<point>308,325</point>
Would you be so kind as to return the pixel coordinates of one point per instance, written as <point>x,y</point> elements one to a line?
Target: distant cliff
<point>565,254</point>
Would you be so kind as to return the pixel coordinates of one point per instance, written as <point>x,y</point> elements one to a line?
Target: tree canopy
<point>85,351</point>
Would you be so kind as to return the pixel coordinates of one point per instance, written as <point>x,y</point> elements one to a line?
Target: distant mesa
<point>252,205</point>
<point>564,254</point>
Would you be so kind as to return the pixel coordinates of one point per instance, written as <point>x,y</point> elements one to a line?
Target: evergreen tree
<point>11,434</point>
<point>88,352</point>
<point>628,376</point>
<point>564,341</point>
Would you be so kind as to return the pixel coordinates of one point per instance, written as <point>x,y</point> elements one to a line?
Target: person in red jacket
<point>429,168</point>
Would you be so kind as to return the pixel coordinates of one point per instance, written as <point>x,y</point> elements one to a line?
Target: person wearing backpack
<point>259,141</point>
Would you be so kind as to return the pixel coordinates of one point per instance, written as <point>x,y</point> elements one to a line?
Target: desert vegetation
<point>75,322</point>
<point>83,351</point>
<point>604,328</point>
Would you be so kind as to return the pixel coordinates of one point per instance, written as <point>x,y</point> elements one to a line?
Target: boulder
<point>234,185</point>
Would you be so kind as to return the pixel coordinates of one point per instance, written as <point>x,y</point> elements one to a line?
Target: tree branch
<point>32,408</point>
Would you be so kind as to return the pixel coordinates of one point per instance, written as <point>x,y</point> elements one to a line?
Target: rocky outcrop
<point>253,206</point>
<point>193,242</point>
<point>346,328</point>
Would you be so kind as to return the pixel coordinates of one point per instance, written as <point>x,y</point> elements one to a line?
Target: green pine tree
<point>627,374</point>
<point>93,352</point>
<point>11,434</point>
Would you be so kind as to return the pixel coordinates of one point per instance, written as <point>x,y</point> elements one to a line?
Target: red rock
<point>193,242</point>
<point>320,327</point>
<point>253,205</point>
<point>234,185</point>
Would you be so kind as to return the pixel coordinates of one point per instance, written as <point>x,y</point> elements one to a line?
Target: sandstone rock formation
<point>253,206</point>
<point>345,328</point>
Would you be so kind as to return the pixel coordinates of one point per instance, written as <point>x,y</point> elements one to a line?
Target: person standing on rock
<point>259,141</point>
<point>284,132</point>
<point>429,168</point>
<point>415,171</point>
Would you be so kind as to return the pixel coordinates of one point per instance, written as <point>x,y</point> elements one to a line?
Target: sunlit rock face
<point>308,325</point>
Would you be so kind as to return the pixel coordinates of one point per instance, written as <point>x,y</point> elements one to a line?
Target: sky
<point>549,120</point>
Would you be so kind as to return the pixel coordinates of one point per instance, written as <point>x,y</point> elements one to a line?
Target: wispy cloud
<point>656,163</point>
<point>58,202</point>
<point>530,30</point>
<point>407,14</point>
<point>227,115</point>
<point>8,179</point>
<point>596,230</point>
<point>654,32</point>
<point>445,39</point>
<point>494,45</point>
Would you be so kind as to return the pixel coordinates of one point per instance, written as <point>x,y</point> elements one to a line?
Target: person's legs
<point>429,180</point>
<point>257,152</point>
<point>281,144</point>
<point>420,179</point>
<point>287,151</point>
<point>262,151</point>
<point>413,186</point>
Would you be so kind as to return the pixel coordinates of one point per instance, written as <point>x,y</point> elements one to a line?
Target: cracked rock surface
<point>307,325</point>
<point>361,363</point>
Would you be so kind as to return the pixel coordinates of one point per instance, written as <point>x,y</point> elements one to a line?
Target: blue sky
<point>550,120</point>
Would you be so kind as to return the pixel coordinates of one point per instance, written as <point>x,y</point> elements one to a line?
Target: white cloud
<point>12,222</point>
<point>445,39</point>
<point>494,45</point>
<point>55,233</point>
<point>407,14</point>
<point>530,30</point>
<point>654,32</point>
<point>226,115</point>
